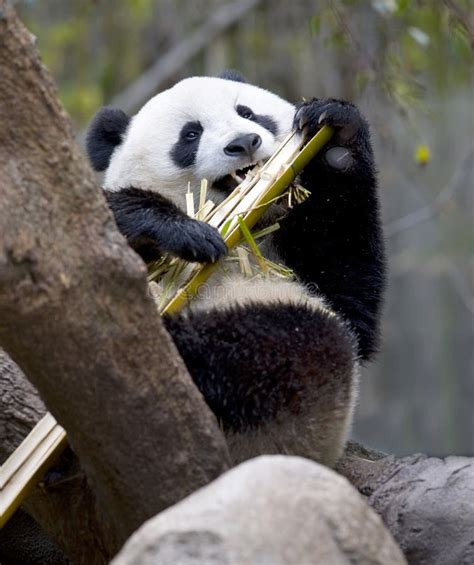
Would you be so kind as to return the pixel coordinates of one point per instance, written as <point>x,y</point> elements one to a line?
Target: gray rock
<point>273,510</point>
<point>428,504</point>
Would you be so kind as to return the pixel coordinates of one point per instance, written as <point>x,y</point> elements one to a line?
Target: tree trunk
<point>75,315</point>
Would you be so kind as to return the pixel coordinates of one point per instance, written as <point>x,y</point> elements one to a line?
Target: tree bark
<point>20,406</point>
<point>75,315</point>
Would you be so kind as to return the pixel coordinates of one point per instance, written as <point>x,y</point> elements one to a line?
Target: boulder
<point>270,510</point>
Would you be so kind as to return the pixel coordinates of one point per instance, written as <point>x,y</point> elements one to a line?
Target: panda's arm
<point>333,240</point>
<point>153,226</point>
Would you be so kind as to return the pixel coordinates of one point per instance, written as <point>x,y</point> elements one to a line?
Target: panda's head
<point>201,128</point>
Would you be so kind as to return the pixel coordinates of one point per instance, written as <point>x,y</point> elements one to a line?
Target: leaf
<point>422,154</point>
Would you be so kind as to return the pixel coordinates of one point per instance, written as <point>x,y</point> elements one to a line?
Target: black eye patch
<point>265,121</point>
<point>185,149</point>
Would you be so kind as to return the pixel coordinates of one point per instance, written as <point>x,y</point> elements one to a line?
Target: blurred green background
<point>409,66</point>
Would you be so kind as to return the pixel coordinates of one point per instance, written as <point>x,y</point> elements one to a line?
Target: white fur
<point>224,290</point>
<point>320,432</point>
<point>143,159</point>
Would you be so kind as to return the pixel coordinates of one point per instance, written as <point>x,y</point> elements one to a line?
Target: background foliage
<point>408,64</point>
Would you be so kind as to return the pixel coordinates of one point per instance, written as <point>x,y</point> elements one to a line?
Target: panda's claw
<point>303,120</point>
<point>342,115</point>
<point>322,117</point>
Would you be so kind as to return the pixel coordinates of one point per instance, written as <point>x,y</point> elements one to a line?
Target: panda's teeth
<point>236,177</point>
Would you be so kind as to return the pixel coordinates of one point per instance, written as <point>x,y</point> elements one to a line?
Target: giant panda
<point>277,362</point>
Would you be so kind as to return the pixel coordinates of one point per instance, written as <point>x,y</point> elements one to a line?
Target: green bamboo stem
<point>277,188</point>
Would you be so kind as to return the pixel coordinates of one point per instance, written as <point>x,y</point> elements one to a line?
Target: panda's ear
<point>104,134</point>
<point>231,74</point>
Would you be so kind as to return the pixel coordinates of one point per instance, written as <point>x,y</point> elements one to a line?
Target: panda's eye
<point>245,112</point>
<point>191,131</point>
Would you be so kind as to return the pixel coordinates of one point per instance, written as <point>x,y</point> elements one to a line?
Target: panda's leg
<point>280,377</point>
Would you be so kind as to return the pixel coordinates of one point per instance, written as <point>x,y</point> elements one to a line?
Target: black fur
<point>232,74</point>
<point>253,362</point>
<point>185,149</point>
<point>265,121</point>
<point>105,133</point>
<point>153,226</point>
<point>333,240</point>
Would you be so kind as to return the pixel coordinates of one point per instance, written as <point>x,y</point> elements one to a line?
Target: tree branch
<point>20,408</point>
<point>172,61</point>
<point>75,315</point>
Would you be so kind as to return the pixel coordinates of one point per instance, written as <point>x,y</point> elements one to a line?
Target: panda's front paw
<point>197,242</point>
<point>341,115</point>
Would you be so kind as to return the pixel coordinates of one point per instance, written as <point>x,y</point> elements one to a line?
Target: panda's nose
<point>243,145</point>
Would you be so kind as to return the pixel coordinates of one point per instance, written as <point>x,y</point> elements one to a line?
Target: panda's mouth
<point>230,181</point>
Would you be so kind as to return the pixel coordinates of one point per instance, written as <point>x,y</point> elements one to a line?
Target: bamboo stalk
<point>28,463</point>
<point>234,236</point>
